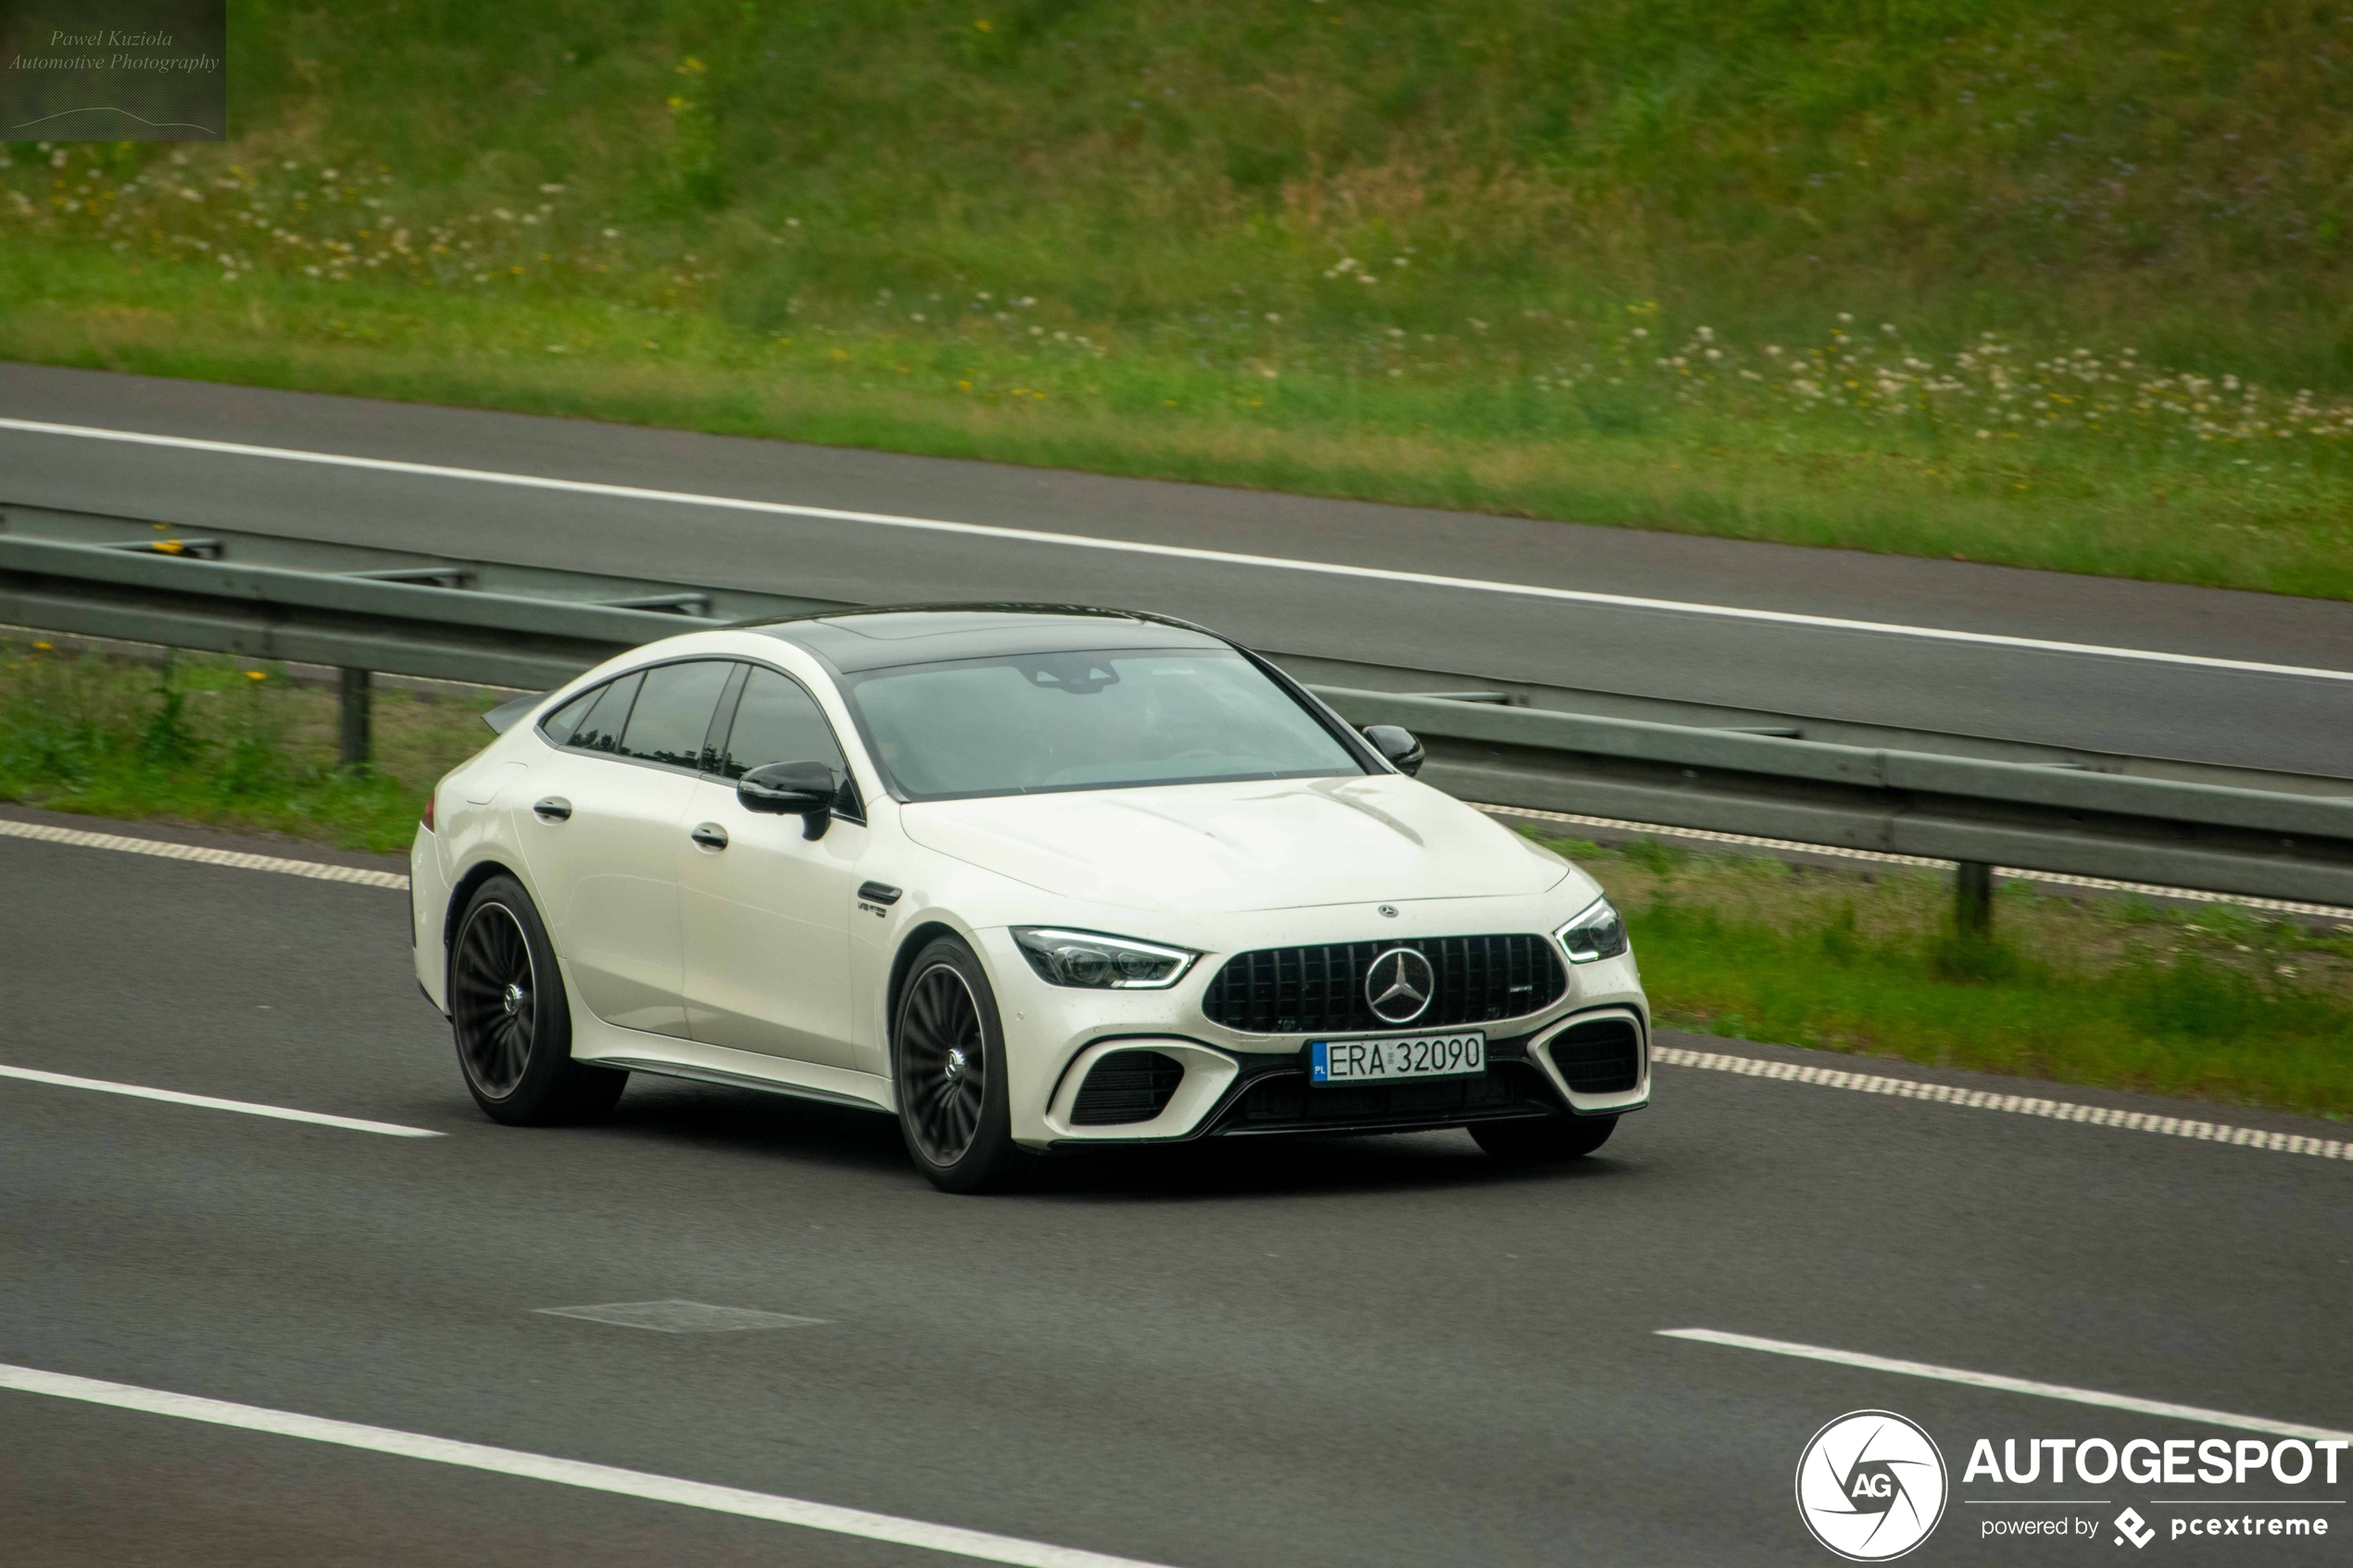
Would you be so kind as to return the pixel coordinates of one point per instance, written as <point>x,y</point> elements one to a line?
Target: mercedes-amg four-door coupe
<point>1027,878</point>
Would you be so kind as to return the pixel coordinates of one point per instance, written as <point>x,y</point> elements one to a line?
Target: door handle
<point>555,809</point>
<point>711,835</point>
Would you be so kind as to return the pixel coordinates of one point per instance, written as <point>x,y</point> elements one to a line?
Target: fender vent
<point>1601,1057</point>
<point>1126,1087</point>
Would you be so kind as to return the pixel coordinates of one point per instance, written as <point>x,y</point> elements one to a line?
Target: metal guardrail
<point>2277,836</point>
<point>2164,831</point>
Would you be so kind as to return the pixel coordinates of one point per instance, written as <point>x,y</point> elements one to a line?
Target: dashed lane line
<point>2013,1385</point>
<point>951,1539</point>
<point>237,859</point>
<point>208,1102</point>
<point>2017,1104</point>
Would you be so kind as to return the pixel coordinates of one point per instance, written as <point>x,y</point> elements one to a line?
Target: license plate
<point>1392,1057</point>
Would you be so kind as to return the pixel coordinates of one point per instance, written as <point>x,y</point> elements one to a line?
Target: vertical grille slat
<point>1320,989</point>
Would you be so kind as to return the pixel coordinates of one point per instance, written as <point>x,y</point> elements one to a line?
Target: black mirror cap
<point>1396,742</point>
<point>789,789</point>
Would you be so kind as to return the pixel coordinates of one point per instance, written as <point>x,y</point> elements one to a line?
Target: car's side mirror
<point>1396,742</point>
<point>792,789</point>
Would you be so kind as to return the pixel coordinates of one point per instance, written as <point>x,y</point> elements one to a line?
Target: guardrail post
<point>1973,898</point>
<point>352,728</point>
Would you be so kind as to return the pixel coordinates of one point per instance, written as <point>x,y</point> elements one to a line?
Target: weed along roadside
<point>200,738</point>
<point>1374,256</point>
<point>2216,1002</point>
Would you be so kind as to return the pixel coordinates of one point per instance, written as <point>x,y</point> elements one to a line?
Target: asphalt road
<point>1368,1351</point>
<point>2069,698</point>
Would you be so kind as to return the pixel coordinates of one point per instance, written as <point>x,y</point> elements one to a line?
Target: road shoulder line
<point>1173,552</point>
<point>2017,1105</point>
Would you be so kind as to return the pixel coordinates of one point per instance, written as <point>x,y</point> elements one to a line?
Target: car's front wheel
<point>948,1065</point>
<point>512,1024</point>
<point>1539,1140</point>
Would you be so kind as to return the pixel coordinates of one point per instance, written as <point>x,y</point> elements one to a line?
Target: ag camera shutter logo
<point>1871,1486</point>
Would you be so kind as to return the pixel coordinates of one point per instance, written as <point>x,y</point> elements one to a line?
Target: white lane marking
<point>2106,884</point>
<point>855,1522</point>
<point>2012,1384</point>
<point>207,1102</point>
<point>1174,552</point>
<point>2018,1105</point>
<point>231,857</point>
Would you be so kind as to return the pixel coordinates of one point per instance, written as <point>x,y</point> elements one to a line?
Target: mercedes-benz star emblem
<point>1399,985</point>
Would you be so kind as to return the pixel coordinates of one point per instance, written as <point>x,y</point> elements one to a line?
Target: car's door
<point>767,909</point>
<point>600,826</point>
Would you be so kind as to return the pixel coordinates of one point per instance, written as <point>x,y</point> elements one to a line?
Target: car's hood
<point>1259,844</point>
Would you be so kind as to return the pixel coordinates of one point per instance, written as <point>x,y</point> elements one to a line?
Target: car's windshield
<point>1088,720</point>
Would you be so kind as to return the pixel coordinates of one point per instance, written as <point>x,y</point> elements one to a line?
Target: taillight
<point>427,819</point>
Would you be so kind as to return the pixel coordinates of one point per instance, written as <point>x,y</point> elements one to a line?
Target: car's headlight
<point>1596,931</point>
<point>1099,962</point>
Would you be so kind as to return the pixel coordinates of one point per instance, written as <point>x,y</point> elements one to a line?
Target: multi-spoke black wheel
<point>492,996</point>
<point>948,1054</point>
<point>943,1063</point>
<point>508,1012</point>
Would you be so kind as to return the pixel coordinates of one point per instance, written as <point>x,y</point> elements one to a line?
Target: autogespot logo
<point>1871,1486</point>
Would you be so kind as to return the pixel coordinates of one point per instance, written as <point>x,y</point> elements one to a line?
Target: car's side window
<point>776,721</point>
<point>671,718</point>
<point>600,729</point>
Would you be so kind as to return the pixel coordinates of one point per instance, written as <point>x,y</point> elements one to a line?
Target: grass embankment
<point>2215,1003</point>
<point>211,740</point>
<point>1953,277</point>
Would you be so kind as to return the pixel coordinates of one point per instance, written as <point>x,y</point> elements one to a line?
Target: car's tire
<point>1543,1140</point>
<point>510,1018</point>
<point>947,1072</point>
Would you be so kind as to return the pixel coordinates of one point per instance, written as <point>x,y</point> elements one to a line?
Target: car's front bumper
<point>1235,1084</point>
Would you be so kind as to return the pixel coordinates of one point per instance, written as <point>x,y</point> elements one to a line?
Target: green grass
<point>1710,267</point>
<point>2216,1003</point>
<point>210,740</point>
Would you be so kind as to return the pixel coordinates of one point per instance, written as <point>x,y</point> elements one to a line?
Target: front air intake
<point>1126,1087</point>
<point>1604,1057</point>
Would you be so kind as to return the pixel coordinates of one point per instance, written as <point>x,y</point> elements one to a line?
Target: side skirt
<point>597,1042</point>
<point>736,1081</point>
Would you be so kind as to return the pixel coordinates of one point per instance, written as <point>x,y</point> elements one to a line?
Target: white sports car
<point>1030,878</point>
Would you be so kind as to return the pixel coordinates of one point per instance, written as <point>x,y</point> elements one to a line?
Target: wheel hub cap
<point>513,998</point>
<point>955,1062</point>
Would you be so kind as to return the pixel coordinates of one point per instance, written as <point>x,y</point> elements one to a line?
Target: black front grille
<point>1126,1087</point>
<point>1601,1057</point>
<point>1287,1102</point>
<point>1321,989</point>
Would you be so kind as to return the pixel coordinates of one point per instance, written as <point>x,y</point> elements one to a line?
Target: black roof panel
<point>886,635</point>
